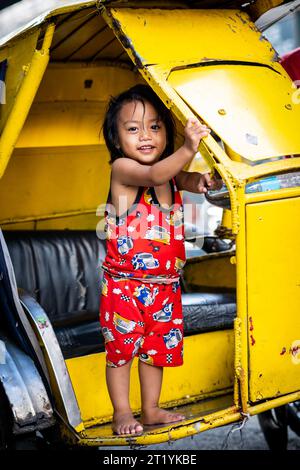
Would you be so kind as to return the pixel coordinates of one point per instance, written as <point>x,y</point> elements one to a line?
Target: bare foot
<point>124,423</point>
<point>159,416</point>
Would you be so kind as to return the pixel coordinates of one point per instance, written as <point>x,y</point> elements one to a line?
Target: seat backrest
<point>61,269</point>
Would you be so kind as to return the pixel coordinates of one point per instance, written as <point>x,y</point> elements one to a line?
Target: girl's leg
<point>118,379</point>
<point>151,382</point>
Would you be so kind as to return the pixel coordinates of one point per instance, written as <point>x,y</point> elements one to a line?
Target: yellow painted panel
<point>273,276</point>
<point>78,222</point>
<point>190,36</point>
<point>208,367</point>
<point>251,108</point>
<point>213,271</point>
<point>67,82</point>
<point>53,181</point>
<point>63,124</point>
<point>59,170</point>
<point>69,107</point>
<point>18,226</point>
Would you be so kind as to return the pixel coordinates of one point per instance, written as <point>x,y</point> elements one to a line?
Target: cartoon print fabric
<point>140,307</point>
<point>142,320</point>
<point>147,241</point>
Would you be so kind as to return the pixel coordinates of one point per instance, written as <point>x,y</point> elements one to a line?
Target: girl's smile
<point>142,135</point>
<point>146,149</point>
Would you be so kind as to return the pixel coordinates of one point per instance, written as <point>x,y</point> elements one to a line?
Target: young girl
<point>140,307</point>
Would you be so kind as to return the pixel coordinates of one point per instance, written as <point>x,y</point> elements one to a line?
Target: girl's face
<point>142,136</point>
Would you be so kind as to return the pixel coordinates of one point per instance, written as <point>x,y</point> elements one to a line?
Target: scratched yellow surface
<point>273,279</point>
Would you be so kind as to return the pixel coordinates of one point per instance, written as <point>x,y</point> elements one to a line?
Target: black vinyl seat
<point>62,270</point>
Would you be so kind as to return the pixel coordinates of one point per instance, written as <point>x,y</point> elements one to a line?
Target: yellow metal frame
<point>16,119</point>
<point>235,174</point>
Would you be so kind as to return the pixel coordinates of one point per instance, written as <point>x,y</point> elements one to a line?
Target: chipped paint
<point>251,328</point>
<point>197,426</point>
<point>283,351</point>
<point>295,351</point>
<point>232,28</point>
<point>125,41</point>
<point>240,16</point>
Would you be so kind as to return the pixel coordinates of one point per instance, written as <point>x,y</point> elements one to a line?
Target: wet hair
<point>142,93</point>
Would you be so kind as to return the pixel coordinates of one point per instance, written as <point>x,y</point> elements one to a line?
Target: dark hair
<point>140,93</point>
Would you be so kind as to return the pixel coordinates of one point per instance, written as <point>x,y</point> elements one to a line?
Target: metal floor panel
<point>199,415</point>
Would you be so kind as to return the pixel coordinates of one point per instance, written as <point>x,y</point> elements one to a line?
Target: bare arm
<point>130,172</point>
<point>133,173</point>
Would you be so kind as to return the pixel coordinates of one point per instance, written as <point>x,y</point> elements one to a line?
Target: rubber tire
<point>274,425</point>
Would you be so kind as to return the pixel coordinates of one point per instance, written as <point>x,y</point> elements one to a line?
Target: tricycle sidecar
<point>241,305</point>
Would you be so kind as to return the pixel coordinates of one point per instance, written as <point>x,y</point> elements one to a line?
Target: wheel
<point>6,422</point>
<point>274,425</point>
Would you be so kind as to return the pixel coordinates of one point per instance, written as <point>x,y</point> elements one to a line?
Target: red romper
<point>140,305</point>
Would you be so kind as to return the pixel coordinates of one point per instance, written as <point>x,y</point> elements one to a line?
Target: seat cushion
<point>208,312</point>
<point>60,269</point>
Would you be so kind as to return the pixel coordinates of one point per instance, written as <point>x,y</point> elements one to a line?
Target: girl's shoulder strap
<point>176,193</point>
<point>174,183</point>
<point>139,193</point>
<point>109,192</point>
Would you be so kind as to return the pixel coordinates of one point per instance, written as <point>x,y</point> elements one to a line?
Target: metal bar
<point>120,55</point>
<point>269,168</point>
<point>102,49</point>
<point>66,18</point>
<point>86,42</point>
<point>231,185</point>
<point>273,403</point>
<point>77,28</point>
<point>241,298</point>
<point>175,432</point>
<point>237,361</point>
<point>275,194</point>
<point>24,99</point>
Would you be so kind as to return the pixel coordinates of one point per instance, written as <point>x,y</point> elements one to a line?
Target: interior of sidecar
<point>62,271</point>
<point>59,171</point>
